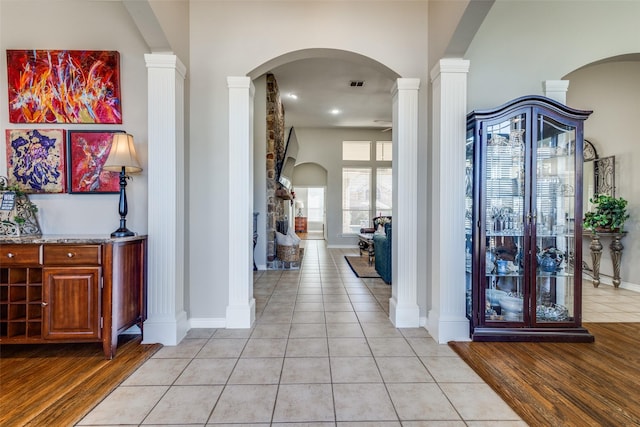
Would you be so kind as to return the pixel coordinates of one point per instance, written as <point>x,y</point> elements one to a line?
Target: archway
<point>404,311</point>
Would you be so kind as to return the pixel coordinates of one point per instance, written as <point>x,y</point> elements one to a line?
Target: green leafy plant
<point>609,213</point>
<point>25,218</point>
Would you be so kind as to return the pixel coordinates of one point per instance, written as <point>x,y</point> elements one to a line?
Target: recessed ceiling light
<point>292,96</point>
<point>335,111</point>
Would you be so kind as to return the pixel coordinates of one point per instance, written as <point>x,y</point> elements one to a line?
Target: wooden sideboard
<point>66,289</point>
<point>301,224</point>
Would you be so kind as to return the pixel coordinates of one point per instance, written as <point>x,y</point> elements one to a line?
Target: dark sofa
<point>382,247</point>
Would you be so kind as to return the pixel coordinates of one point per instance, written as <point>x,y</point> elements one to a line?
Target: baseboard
<point>404,315</point>
<point>608,281</point>
<point>165,330</point>
<point>450,328</point>
<point>207,323</point>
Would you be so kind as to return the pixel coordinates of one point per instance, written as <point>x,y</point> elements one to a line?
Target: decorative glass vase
<point>547,264</point>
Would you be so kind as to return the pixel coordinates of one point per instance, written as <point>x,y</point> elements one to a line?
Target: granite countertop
<point>85,239</point>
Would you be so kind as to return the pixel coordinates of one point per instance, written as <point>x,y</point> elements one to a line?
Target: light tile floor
<point>322,353</point>
<point>608,304</point>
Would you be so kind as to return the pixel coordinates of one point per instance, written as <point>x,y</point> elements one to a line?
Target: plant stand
<point>615,248</point>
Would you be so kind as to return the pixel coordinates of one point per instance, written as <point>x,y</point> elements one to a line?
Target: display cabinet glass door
<point>469,220</point>
<point>504,207</point>
<point>523,246</point>
<point>555,205</point>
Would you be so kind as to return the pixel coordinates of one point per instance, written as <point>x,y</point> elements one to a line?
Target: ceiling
<point>324,84</point>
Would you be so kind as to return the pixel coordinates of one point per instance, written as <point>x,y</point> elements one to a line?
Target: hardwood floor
<point>57,384</point>
<point>564,384</point>
<point>311,235</point>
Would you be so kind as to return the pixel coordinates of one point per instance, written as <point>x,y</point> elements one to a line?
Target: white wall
<point>309,175</point>
<point>612,91</point>
<point>324,147</point>
<point>82,25</point>
<point>224,39</point>
<point>234,38</point>
<point>522,43</point>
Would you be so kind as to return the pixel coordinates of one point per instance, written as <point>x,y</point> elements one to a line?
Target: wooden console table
<point>301,224</point>
<point>615,247</point>
<point>67,289</point>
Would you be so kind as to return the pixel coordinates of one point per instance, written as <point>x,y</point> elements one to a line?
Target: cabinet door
<point>555,202</point>
<point>503,291</point>
<point>71,301</point>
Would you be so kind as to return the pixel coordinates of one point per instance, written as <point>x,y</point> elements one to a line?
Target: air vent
<point>356,83</point>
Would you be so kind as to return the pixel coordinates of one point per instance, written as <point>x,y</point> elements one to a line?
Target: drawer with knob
<point>72,254</point>
<point>19,255</point>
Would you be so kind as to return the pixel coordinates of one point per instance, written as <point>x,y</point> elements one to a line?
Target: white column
<point>166,317</point>
<point>241,310</point>
<point>447,320</point>
<point>556,90</point>
<point>404,311</point>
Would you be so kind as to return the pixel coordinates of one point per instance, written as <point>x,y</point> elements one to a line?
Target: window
<point>383,151</point>
<point>356,150</point>
<point>366,183</point>
<point>384,192</point>
<point>356,199</point>
<point>315,200</point>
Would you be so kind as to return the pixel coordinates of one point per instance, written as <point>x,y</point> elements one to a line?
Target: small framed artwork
<point>64,86</point>
<point>88,151</point>
<point>36,160</point>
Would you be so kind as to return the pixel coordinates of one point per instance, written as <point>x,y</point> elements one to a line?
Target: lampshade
<point>122,154</point>
<point>299,204</point>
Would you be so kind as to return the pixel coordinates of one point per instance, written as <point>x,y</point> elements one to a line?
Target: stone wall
<point>275,154</point>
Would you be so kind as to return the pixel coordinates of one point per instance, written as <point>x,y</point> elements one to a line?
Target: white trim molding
<point>166,316</point>
<point>447,318</point>
<point>207,323</point>
<point>404,311</point>
<point>556,90</point>
<point>241,309</point>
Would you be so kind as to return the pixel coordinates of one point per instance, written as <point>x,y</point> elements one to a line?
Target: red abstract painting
<point>88,150</point>
<point>64,86</point>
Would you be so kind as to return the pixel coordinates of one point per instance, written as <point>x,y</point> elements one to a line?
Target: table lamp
<point>122,158</point>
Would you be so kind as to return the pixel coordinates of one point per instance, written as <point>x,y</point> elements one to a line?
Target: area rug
<point>360,266</point>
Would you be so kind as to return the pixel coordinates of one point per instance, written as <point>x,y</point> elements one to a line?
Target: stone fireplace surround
<point>276,206</point>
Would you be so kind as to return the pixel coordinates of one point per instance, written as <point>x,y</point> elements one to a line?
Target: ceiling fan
<point>386,123</point>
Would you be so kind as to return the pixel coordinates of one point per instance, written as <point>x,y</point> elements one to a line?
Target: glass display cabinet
<point>523,222</point>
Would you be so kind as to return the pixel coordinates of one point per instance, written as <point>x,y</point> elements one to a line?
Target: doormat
<point>360,266</point>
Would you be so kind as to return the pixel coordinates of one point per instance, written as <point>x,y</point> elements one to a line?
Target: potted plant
<point>24,220</point>
<point>609,214</point>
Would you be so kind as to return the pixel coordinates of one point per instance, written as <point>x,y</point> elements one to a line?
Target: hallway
<point>322,351</point>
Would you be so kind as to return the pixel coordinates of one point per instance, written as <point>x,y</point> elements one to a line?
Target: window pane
<point>356,198</point>
<point>384,191</point>
<point>353,221</point>
<point>315,199</point>
<point>356,150</point>
<point>383,151</point>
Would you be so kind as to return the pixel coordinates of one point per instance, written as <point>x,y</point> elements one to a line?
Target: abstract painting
<point>64,86</point>
<point>36,160</point>
<point>88,150</point>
